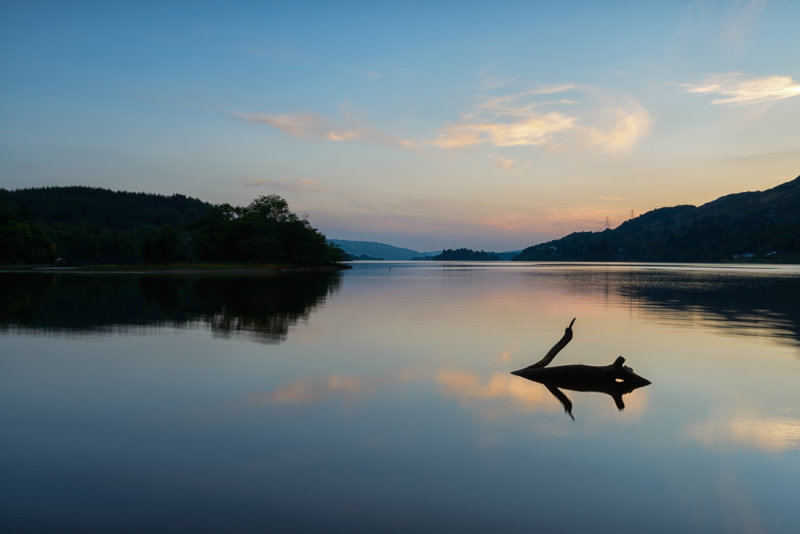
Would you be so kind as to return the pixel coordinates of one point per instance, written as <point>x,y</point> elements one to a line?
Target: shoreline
<point>182,268</point>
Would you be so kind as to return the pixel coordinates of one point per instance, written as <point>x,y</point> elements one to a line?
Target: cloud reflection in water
<point>748,429</point>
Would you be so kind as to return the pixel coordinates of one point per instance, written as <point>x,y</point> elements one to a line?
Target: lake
<point>380,399</point>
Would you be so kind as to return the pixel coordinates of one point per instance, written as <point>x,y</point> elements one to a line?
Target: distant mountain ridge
<point>751,225</point>
<point>376,250</point>
<point>383,251</point>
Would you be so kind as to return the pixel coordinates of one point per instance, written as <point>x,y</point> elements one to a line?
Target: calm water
<point>380,400</point>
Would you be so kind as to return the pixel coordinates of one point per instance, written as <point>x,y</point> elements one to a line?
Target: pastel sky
<point>428,125</point>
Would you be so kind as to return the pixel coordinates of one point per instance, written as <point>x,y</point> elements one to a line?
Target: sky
<point>427,125</point>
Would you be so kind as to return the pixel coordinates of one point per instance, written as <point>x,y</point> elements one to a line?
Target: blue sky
<point>422,124</point>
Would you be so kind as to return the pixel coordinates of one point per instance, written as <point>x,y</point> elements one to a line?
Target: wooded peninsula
<point>87,225</point>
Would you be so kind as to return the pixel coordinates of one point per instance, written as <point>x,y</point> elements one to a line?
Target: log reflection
<point>615,379</point>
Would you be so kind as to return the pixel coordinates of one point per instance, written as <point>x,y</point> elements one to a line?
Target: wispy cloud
<point>533,130</point>
<point>490,78</point>
<point>585,116</point>
<point>311,186</point>
<point>511,165</point>
<point>551,115</point>
<point>351,127</point>
<point>621,129</point>
<point>514,119</point>
<point>297,124</point>
<point>742,20</point>
<point>734,88</point>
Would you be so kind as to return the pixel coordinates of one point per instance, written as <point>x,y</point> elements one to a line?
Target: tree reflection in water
<point>741,301</point>
<point>262,306</point>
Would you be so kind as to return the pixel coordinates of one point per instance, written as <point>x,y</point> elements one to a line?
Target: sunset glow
<point>423,125</point>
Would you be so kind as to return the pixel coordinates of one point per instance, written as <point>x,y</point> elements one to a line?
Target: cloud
<point>589,117</point>
<point>511,165</point>
<point>742,20</point>
<point>613,124</point>
<point>515,119</point>
<point>310,186</point>
<point>534,130</point>
<point>296,124</point>
<point>490,78</point>
<point>734,88</point>
<point>623,128</point>
<point>517,104</point>
<point>351,127</point>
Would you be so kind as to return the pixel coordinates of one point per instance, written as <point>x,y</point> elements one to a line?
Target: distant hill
<point>91,224</point>
<point>374,250</point>
<point>371,250</point>
<point>506,256</point>
<point>465,254</point>
<point>752,225</point>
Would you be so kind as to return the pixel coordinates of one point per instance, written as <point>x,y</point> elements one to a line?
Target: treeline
<point>95,225</point>
<point>84,225</point>
<point>21,240</point>
<point>762,225</point>
<point>465,254</point>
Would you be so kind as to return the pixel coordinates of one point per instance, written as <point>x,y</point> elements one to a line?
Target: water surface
<point>381,399</point>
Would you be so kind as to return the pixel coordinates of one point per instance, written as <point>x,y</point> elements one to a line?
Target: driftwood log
<point>615,379</point>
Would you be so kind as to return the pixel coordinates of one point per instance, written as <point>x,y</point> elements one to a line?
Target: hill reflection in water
<point>743,303</point>
<point>264,307</point>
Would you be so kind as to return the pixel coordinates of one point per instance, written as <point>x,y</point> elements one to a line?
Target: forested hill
<point>375,250</point>
<point>753,225</point>
<point>113,210</point>
<point>90,224</point>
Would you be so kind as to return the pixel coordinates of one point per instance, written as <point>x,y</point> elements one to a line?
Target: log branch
<point>556,348</point>
<point>557,393</point>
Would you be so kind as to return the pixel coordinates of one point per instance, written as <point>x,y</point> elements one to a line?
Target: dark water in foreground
<point>381,400</point>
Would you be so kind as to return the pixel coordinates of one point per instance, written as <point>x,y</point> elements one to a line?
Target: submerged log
<point>556,348</point>
<point>615,379</point>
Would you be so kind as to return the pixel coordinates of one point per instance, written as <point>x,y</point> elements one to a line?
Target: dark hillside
<point>752,225</point>
<point>114,210</point>
<point>94,225</point>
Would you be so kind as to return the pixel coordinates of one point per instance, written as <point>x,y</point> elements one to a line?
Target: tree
<point>270,208</point>
<point>22,241</point>
<point>164,248</point>
<point>265,231</point>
